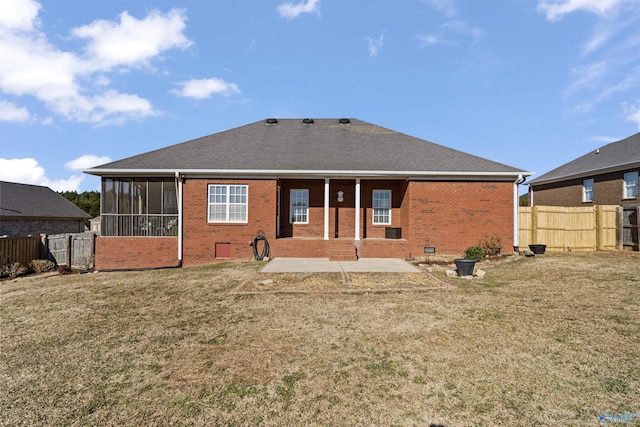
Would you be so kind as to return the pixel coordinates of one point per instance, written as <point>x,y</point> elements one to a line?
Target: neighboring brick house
<point>336,188</point>
<point>33,209</point>
<point>605,176</point>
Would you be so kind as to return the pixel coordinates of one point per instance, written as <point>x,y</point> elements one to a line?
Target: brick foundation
<point>115,253</point>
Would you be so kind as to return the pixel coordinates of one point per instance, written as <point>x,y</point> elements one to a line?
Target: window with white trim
<point>630,185</point>
<point>382,206</point>
<point>228,203</point>
<point>587,190</point>
<point>299,206</point>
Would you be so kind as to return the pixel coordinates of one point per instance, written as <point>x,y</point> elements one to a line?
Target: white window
<point>299,207</point>
<point>587,190</point>
<point>228,203</point>
<point>630,185</point>
<point>382,206</point>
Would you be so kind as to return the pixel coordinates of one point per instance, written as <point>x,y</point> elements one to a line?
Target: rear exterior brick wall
<point>201,236</point>
<point>450,215</point>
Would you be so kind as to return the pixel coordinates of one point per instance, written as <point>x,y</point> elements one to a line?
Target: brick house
<point>329,188</point>
<point>605,176</point>
<point>33,209</point>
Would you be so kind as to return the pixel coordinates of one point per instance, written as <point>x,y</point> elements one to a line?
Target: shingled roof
<point>326,146</point>
<point>24,201</point>
<point>619,155</point>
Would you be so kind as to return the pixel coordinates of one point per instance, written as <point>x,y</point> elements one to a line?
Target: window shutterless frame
<point>587,190</point>
<point>630,190</point>
<point>227,203</point>
<point>299,206</point>
<point>381,207</point>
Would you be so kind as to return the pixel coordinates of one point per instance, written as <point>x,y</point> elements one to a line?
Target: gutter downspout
<point>179,185</point>
<point>516,205</point>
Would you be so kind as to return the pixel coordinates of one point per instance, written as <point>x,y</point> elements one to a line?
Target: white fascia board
<point>272,173</point>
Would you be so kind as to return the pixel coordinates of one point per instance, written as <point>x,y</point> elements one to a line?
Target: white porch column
<point>326,209</point>
<point>357,209</point>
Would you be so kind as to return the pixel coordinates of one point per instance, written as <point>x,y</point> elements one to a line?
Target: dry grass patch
<point>551,340</point>
<point>340,282</point>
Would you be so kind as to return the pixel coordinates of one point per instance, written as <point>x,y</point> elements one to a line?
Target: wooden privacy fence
<point>571,228</point>
<point>20,249</point>
<point>73,249</point>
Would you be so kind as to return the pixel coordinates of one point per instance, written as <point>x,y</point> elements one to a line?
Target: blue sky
<point>529,83</point>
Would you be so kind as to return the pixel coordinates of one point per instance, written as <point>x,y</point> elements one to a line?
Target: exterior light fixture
<point>341,196</point>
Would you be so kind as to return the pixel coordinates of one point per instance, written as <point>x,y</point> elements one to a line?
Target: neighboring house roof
<point>619,155</point>
<point>325,147</point>
<point>24,201</point>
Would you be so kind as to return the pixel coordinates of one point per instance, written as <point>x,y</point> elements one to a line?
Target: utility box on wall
<point>393,233</point>
<point>223,250</point>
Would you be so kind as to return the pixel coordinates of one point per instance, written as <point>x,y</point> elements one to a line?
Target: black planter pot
<point>538,249</point>
<point>465,266</point>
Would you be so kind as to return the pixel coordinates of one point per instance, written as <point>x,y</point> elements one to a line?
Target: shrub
<point>14,270</point>
<point>492,245</point>
<point>42,265</point>
<point>474,252</point>
<point>64,269</point>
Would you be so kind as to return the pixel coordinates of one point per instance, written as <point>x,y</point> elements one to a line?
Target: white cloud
<point>448,7</point>
<point>586,77</point>
<point>460,27</point>
<point>450,32</point>
<point>115,107</point>
<point>204,88</point>
<point>375,45</point>
<point>291,10</point>
<point>75,86</point>
<point>610,63</point>
<point>632,113</point>
<point>132,41</point>
<point>429,39</point>
<point>28,171</point>
<point>19,14</point>
<point>87,161</point>
<point>555,10</point>
<point>11,113</point>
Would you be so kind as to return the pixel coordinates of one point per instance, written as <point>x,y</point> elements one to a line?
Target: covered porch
<point>341,219</point>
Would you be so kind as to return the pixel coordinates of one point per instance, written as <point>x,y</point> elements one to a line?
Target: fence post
<point>68,251</point>
<point>619,228</point>
<point>92,245</point>
<point>599,228</point>
<point>534,225</point>
<point>637,248</point>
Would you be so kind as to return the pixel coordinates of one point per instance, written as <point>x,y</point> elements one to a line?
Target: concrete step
<point>343,257</point>
<point>342,251</point>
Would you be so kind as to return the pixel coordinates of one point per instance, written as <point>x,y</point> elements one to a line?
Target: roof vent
<point>307,121</point>
<point>272,121</point>
<point>344,121</point>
